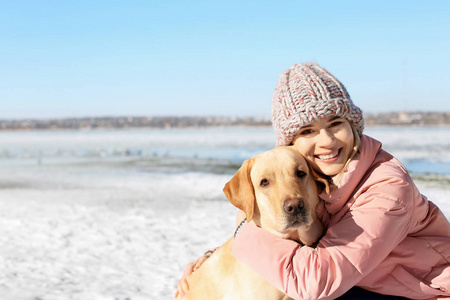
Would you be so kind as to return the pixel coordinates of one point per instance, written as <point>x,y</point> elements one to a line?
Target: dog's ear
<point>239,190</point>
<point>322,182</point>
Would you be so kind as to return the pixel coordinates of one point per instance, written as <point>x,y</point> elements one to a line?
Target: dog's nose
<point>293,206</point>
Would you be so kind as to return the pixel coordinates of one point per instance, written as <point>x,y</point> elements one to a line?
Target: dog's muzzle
<point>295,213</point>
<point>293,206</point>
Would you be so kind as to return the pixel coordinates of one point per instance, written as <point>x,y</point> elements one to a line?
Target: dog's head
<point>278,190</point>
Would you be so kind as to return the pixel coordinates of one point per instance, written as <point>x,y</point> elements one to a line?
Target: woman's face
<point>326,143</point>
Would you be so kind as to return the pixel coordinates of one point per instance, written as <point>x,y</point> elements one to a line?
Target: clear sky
<point>109,58</point>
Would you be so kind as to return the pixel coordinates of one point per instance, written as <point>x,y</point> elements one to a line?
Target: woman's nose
<point>325,138</point>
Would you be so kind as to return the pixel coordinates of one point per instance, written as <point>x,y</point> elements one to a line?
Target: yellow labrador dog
<point>278,191</point>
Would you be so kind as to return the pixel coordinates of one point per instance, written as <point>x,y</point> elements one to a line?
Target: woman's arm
<point>350,249</point>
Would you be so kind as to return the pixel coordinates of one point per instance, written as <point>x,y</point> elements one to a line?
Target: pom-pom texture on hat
<point>305,93</point>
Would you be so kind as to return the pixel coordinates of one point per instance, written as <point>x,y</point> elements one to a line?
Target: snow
<point>108,239</point>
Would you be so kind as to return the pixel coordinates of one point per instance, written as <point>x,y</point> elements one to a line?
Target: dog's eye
<point>300,174</point>
<point>264,182</point>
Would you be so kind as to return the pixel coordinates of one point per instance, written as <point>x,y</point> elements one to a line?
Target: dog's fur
<point>262,188</point>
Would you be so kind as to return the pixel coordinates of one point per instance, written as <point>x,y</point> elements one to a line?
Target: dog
<point>279,192</point>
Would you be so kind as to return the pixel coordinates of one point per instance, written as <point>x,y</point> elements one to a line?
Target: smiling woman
<point>371,193</point>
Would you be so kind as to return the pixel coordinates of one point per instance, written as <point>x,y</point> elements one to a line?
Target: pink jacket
<point>382,235</point>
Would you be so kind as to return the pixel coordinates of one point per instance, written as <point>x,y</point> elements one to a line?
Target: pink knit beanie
<point>303,94</point>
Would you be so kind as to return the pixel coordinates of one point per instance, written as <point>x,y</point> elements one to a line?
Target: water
<point>101,158</point>
<point>64,159</point>
<point>421,150</point>
<point>117,214</point>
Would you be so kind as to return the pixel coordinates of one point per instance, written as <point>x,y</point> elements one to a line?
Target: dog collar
<point>240,226</point>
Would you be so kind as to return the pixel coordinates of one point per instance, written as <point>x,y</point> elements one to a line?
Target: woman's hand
<point>183,283</point>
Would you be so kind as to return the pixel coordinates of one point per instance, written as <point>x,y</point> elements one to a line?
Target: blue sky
<point>109,58</point>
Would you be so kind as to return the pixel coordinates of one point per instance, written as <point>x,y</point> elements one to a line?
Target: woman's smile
<point>329,157</point>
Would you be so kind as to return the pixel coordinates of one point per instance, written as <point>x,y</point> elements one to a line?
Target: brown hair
<point>356,144</point>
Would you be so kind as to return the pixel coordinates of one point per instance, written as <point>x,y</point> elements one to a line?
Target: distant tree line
<point>371,119</point>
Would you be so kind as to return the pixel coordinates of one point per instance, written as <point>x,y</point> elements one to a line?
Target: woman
<point>383,237</point>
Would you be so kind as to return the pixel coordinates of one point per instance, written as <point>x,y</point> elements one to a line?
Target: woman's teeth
<point>328,156</point>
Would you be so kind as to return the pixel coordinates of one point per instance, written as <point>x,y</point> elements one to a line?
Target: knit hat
<point>305,93</point>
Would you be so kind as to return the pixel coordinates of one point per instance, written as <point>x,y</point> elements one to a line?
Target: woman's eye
<point>306,132</point>
<point>300,174</point>
<point>264,182</point>
<point>335,123</point>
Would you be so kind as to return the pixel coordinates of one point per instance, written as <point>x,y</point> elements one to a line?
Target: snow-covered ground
<point>107,237</point>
